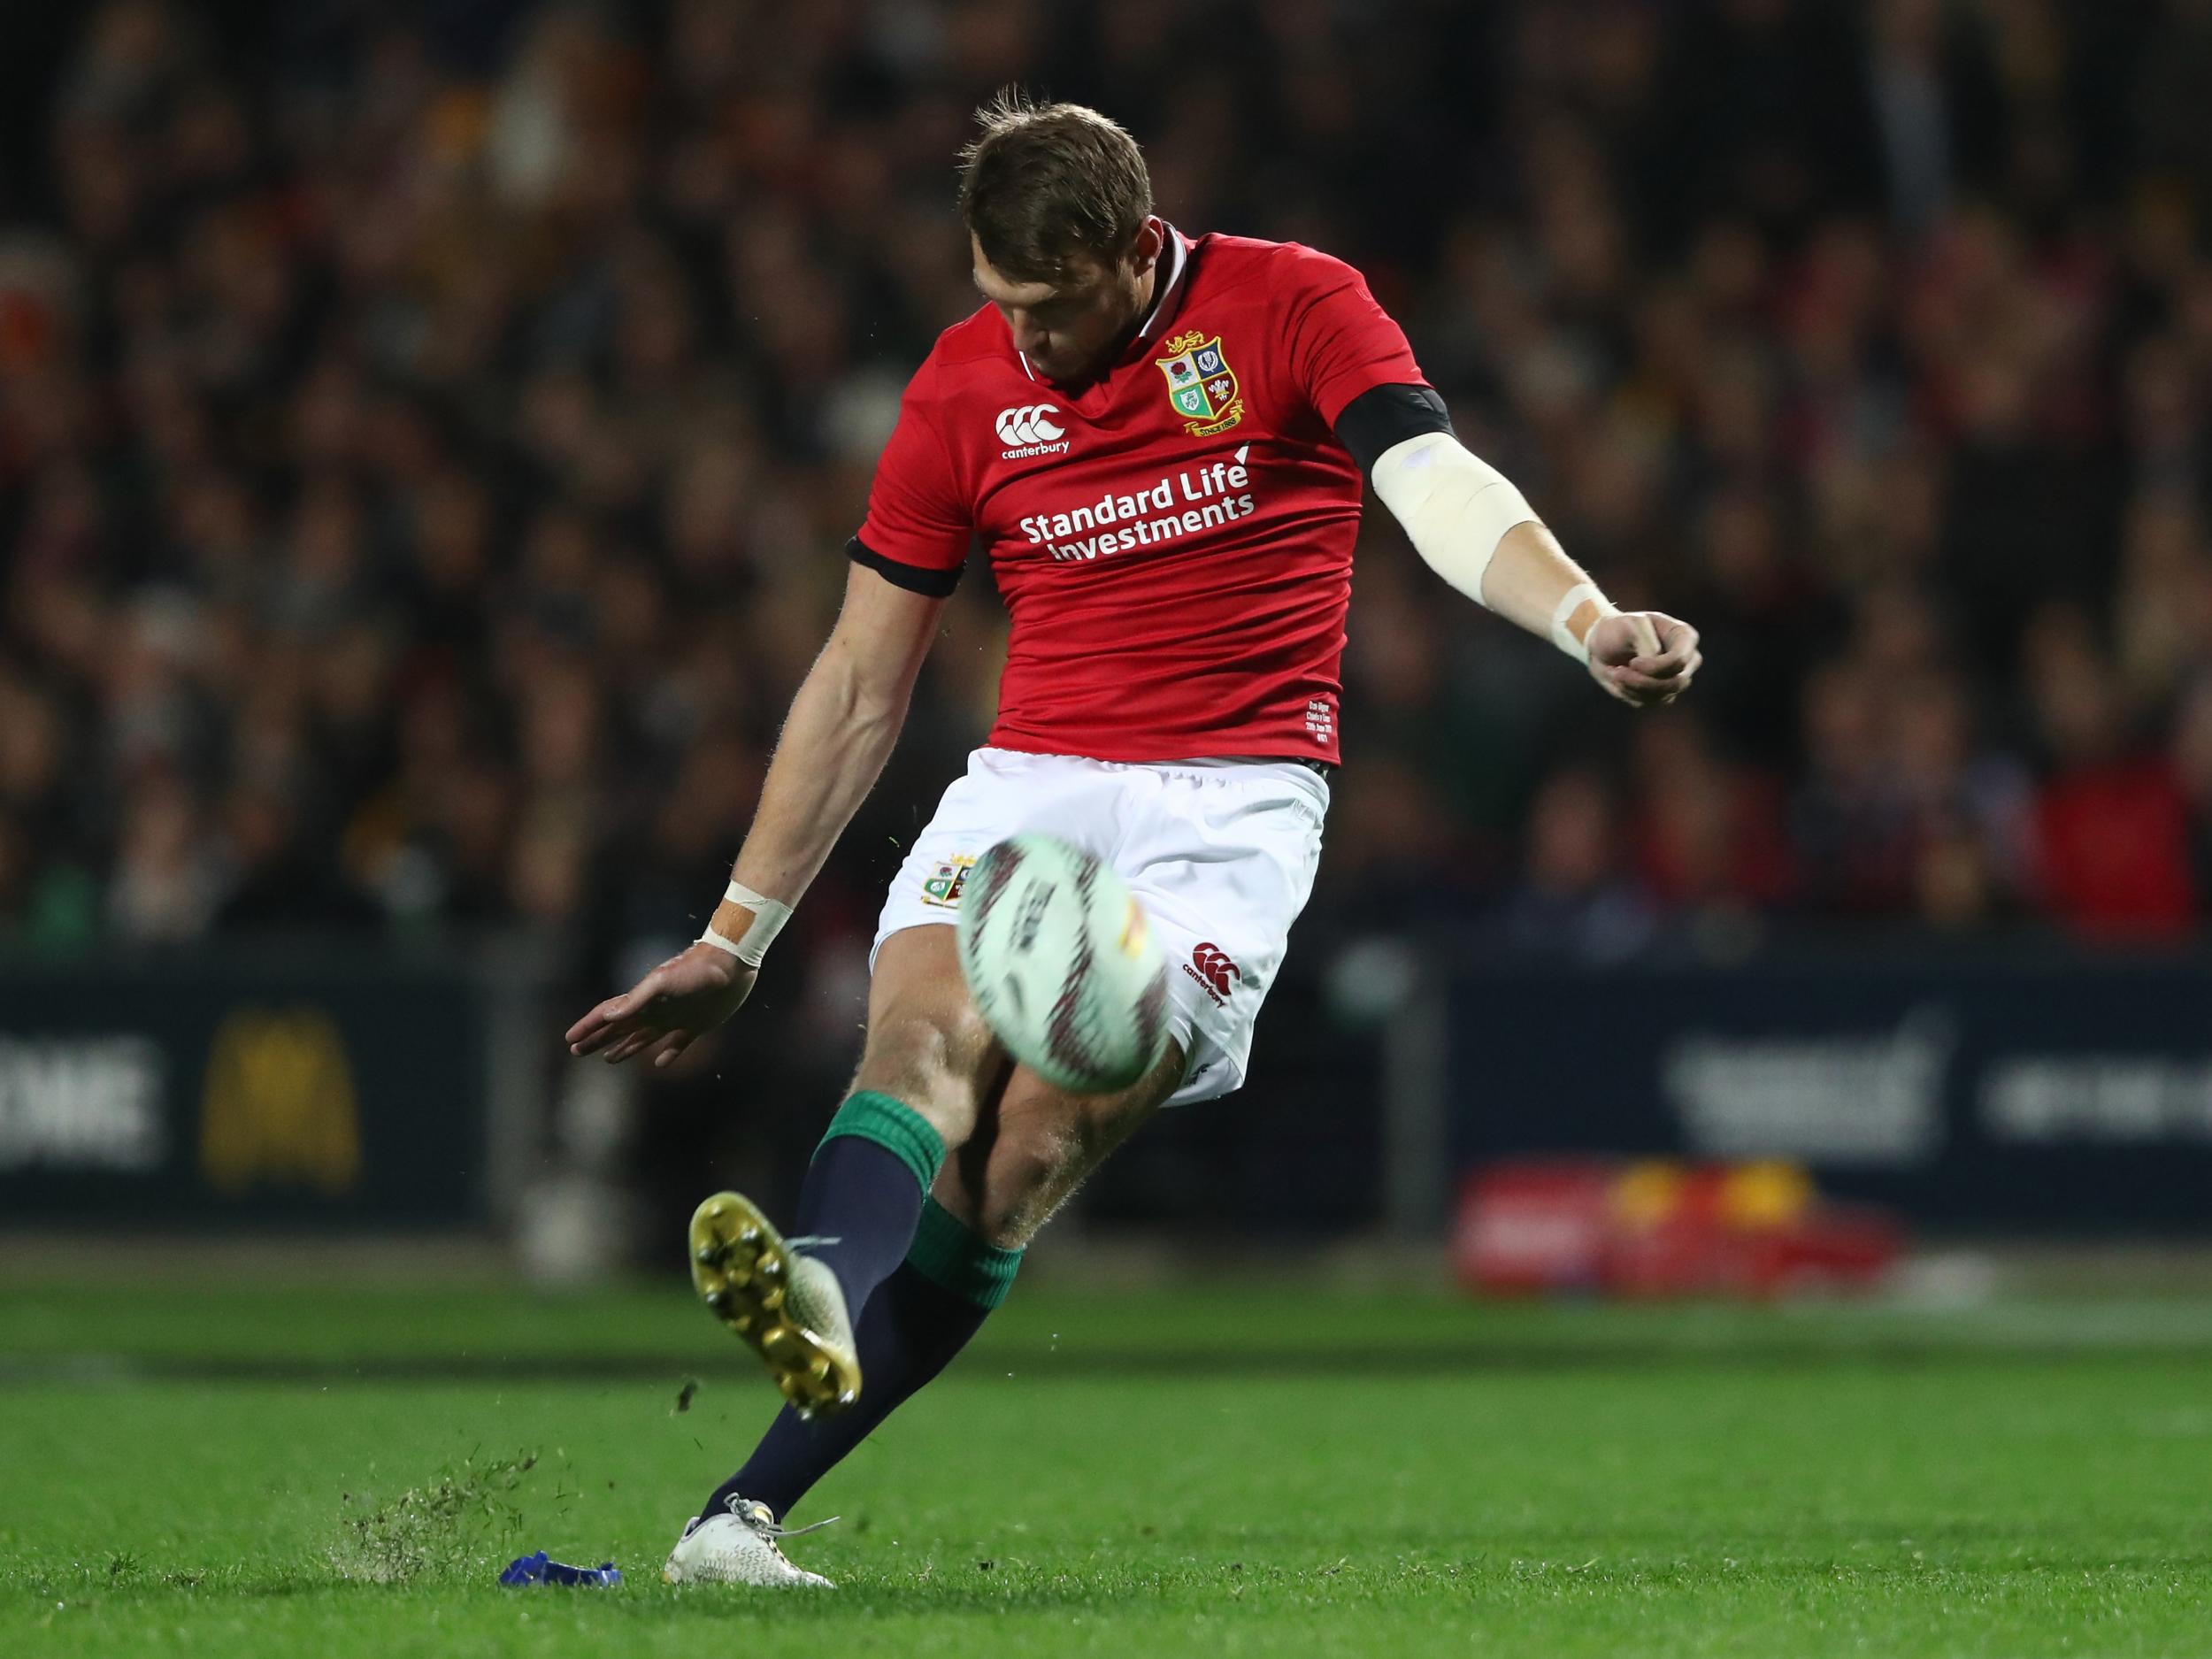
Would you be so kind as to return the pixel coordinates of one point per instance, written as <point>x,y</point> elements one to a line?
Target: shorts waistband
<point>1189,762</point>
<point>1220,765</point>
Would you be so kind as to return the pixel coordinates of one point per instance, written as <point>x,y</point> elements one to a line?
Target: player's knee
<point>933,1062</point>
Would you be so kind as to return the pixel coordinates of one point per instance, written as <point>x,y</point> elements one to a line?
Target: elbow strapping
<point>1454,506</point>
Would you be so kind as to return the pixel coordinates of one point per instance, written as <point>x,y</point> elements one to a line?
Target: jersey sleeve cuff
<point>916,578</point>
<point>1382,417</point>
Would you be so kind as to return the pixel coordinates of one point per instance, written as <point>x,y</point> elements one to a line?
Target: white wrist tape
<point>1456,507</point>
<point>769,916</point>
<point>1571,601</point>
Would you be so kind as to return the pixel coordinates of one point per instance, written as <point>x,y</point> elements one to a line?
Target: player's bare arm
<point>843,722</point>
<point>1478,531</point>
<point>1643,657</point>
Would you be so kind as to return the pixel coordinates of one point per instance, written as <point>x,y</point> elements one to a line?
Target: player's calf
<point>1040,1146</point>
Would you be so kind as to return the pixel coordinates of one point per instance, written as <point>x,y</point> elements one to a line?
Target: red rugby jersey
<point>1173,541</point>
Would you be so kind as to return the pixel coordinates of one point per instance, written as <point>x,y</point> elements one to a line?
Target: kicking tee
<point>1173,541</point>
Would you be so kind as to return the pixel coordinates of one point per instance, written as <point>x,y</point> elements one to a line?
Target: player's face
<point>1068,328</point>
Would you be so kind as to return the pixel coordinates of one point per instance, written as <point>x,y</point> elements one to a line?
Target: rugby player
<point>1159,440</point>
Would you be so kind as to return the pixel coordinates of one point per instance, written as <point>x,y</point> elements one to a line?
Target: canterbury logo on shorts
<point>1211,966</point>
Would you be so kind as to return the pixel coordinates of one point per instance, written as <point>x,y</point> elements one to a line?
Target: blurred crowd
<point>429,435</point>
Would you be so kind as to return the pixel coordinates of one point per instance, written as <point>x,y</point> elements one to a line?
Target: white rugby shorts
<point>1221,853</point>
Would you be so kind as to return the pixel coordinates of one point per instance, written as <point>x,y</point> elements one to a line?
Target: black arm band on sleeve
<point>915,579</point>
<point>1385,416</point>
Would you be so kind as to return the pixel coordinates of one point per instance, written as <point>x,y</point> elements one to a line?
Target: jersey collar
<point>1167,292</point>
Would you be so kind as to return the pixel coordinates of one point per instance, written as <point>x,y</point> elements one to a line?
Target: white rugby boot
<point>783,1304</point>
<point>743,1547</point>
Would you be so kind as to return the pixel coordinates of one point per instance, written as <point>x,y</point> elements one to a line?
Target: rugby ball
<point>1062,964</point>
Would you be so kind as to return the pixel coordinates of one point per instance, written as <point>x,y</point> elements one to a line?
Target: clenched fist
<point>1643,657</point>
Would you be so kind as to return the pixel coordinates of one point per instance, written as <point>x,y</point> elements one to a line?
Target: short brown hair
<point>1049,181</point>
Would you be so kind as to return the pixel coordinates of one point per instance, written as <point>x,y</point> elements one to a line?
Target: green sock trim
<point>951,1257</point>
<point>896,1127</point>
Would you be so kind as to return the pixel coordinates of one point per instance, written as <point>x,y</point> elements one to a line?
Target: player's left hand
<point>1643,657</point>
<point>667,1011</point>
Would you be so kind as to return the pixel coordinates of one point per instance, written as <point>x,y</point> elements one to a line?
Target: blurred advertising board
<point>1656,1228</point>
<point>2024,1091</point>
<point>242,1091</point>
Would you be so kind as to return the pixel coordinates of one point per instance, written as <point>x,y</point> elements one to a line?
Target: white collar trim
<point>1177,262</point>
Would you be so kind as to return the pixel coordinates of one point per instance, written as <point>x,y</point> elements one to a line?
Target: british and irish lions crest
<point>1200,384</point>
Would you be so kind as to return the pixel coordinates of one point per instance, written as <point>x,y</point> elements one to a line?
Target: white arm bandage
<point>769,916</point>
<point>1456,507</point>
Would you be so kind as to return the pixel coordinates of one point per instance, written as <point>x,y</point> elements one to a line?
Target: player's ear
<point>1144,248</point>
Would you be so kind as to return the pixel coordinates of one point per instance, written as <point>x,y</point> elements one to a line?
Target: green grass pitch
<point>225,1471</point>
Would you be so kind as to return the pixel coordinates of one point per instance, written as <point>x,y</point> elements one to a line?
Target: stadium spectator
<point>2111,819</point>
<point>1575,898</point>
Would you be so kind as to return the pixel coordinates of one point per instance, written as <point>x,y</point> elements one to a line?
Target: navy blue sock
<point>920,1316</point>
<point>863,1196</point>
